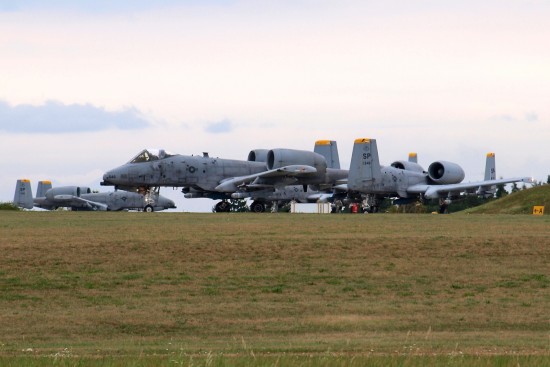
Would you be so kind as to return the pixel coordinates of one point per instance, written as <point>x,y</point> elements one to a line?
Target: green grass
<point>521,202</point>
<point>139,289</point>
<point>64,358</point>
<point>9,206</point>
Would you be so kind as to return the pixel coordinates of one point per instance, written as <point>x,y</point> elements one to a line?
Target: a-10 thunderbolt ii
<point>273,197</point>
<point>407,180</point>
<point>82,198</point>
<point>217,178</point>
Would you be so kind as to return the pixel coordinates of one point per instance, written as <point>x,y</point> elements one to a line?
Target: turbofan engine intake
<point>408,166</point>
<point>258,155</point>
<point>443,173</point>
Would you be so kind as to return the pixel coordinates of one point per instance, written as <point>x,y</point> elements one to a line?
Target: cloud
<point>507,118</point>
<point>56,117</point>
<point>222,127</point>
<point>99,6</point>
<point>504,118</point>
<point>531,117</point>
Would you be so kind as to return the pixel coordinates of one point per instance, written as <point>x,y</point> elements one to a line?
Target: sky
<point>85,85</point>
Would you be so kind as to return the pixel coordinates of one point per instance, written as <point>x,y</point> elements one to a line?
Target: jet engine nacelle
<point>443,173</point>
<point>277,158</point>
<point>67,190</point>
<point>408,166</point>
<point>258,155</point>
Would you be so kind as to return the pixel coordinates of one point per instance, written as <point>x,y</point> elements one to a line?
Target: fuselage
<point>117,200</point>
<point>180,171</point>
<point>392,181</point>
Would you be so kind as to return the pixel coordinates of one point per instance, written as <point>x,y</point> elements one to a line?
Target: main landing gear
<point>444,206</point>
<point>373,203</point>
<point>150,197</point>
<point>257,207</point>
<point>222,207</point>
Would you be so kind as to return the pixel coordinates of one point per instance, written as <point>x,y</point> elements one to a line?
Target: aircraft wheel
<point>257,207</point>
<point>222,207</point>
<point>148,209</point>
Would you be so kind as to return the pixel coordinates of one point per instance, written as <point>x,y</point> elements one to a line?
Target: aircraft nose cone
<point>108,178</point>
<point>167,203</point>
<point>113,176</point>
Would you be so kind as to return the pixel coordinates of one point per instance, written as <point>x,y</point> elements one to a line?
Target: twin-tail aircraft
<point>407,180</point>
<point>272,197</point>
<point>82,198</point>
<point>217,178</point>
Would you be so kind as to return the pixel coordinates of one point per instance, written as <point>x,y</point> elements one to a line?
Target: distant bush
<point>9,206</point>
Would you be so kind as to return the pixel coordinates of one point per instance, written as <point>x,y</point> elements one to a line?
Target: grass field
<point>521,202</point>
<point>139,289</point>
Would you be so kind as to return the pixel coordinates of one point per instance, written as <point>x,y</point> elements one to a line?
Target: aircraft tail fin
<point>43,186</point>
<point>365,165</point>
<point>490,174</point>
<point>413,157</point>
<point>490,167</point>
<point>23,194</point>
<point>329,150</point>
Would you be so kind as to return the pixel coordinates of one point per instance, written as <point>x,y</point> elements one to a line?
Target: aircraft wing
<point>322,197</point>
<point>341,185</point>
<point>231,184</point>
<point>68,200</point>
<point>437,191</point>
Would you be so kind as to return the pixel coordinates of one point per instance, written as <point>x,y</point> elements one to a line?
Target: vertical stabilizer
<point>490,174</point>
<point>365,165</point>
<point>43,186</point>
<point>23,194</point>
<point>413,157</point>
<point>329,150</point>
<point>490,167</point>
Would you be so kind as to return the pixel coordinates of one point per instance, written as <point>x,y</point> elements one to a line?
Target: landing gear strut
<point>444,206</point>
<point>373,203</point>
<point>150,197</point>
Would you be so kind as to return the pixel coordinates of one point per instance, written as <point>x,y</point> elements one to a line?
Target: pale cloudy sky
<point>85,85</point>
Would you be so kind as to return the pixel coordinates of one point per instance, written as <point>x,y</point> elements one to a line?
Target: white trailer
<point>316,208</point>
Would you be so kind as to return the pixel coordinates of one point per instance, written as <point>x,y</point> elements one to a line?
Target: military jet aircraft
<point>216,178</point>
<point>280,195</point>
<point>81,198</point>
<point>408,180</point>
<point>264,199</point>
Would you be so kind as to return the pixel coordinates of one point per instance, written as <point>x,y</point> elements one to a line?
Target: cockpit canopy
<point>149,155</point>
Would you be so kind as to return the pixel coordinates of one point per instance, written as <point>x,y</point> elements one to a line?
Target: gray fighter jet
<point>216,178</point>
<point>274,197</point>
<point>408,180</point>
<point>82,198</point>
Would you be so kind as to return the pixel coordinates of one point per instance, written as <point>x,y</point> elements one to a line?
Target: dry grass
<point>134,284</point>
